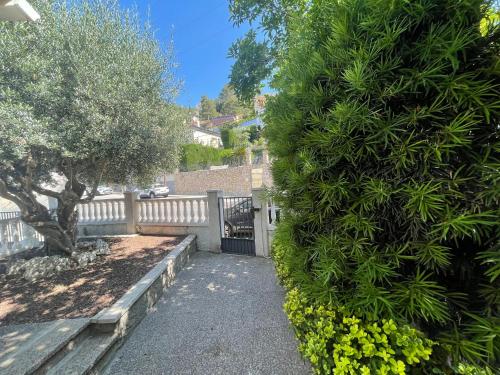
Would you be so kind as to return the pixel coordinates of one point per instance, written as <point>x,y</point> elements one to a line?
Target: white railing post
<point>130,212</point>
<point>213,220</point>
<point>260,222</point>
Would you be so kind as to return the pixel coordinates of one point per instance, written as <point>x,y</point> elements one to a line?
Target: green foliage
<point>256,59</point>
<point>336,342</point>
<point>85,93</point>
<point>253,64</point>
<point>228,103</point>
<point>254,133</point>
<point>196,156</point>
<point>233,138</point>
<point>385,134</point>
<point>208,108</point>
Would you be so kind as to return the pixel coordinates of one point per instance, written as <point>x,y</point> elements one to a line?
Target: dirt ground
<point>86,291</point>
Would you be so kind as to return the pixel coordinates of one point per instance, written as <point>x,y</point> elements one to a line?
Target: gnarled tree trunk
<point>58,228</point>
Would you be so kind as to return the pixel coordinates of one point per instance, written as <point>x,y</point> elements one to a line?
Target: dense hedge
<point>386,138</point>
<point>196,156</point>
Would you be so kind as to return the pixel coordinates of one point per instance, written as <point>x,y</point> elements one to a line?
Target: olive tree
<point>85,97</point>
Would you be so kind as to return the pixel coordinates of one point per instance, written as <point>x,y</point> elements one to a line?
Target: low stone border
<point>138,300</point>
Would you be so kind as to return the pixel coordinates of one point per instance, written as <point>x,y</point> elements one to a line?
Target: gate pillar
<point>214,220</point>
<point>260,222</point>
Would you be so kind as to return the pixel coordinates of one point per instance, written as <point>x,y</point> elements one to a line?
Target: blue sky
<point>202,34</point>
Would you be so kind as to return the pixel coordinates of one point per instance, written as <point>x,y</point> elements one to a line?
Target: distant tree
<point>207,108</point>
<point>234,138</point>
<point>254,133</point>
<point>255,60</point>
<point>229,104</point>
<point>85,94</point>
<point>228,136</point>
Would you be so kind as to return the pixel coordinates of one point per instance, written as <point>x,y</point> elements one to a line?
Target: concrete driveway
<point>223,315</point>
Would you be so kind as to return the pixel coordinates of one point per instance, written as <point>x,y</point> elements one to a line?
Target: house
<point>259,104</point>
<point>17,10</point>
<point>220,120</point>
<point>206,137</point>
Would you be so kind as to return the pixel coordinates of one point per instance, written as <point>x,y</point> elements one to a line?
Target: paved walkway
<point>222,316</point>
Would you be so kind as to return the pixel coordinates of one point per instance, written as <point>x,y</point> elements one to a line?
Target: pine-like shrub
<point>385,132</point>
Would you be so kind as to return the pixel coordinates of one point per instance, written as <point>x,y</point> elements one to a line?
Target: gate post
<point>130,212</point>
<point>260,222</point>
<point>214,231</point>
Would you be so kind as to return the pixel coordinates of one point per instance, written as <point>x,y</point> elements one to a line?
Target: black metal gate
<point>236,225</point>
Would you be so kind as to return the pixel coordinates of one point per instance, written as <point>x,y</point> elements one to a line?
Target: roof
<point>206,131</point>
<point>256,121</point>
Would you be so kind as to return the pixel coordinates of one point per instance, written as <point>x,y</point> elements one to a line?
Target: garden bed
<point>86,291</point>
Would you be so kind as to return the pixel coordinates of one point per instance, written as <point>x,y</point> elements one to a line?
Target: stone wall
<point>201,232</point>
<point>267,176</point>
<point>233,181</point>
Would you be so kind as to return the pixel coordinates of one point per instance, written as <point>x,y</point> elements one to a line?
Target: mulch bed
<point>83,292</point>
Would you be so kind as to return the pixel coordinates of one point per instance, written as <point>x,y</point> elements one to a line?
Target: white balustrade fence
<point>15,236</point>
<point>178,211</point>
<point>106,211</point>
<point>9,215</point>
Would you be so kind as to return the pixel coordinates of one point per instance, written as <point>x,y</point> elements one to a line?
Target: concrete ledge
<point>134,304</point>
<point>201,233</point>
<point>139,225</point>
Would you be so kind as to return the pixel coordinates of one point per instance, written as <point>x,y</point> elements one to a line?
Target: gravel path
<point>223,315</point>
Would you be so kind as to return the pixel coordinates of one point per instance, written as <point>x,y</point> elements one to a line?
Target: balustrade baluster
<point>196,211</point>
<point>168,212</point>
<point>175,212</point>
<point>182,215</point>
<point>156,211</point>
<point>122,209</point>
<point>97,211</point>
<point>140,209</point>
<point>162,205</point>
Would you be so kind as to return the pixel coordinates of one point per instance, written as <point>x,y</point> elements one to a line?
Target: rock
<point>84,259</point>
<point>102,247</point>
<point>38,267</point>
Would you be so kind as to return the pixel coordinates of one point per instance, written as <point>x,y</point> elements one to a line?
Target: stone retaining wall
<point>233,181</point>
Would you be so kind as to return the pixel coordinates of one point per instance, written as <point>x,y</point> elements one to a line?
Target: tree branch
<point>93,192</point>
<point>47,192</point>
<point>5,193</point>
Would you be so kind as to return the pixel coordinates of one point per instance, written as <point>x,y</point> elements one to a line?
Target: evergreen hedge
<point>197,156</point>
<point>385,133</point>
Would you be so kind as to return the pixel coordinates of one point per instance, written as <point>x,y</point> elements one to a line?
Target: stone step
<point>86,356</point>
<point>27,348</point>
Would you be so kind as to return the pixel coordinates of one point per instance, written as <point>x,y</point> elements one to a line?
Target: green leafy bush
<point>336,342</point>
<point>385,134</point>
<point>196,156</point>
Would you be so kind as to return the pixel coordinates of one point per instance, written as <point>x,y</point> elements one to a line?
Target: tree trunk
<point>58,228</point>
<point>59,234</point>
<point>58,241</point>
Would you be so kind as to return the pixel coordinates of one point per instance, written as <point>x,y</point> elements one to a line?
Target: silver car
<point>157,190</point>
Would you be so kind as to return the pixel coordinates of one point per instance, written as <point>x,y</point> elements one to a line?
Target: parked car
<point>238,219</point>
<point>157,190</point>
<point>104,190</point>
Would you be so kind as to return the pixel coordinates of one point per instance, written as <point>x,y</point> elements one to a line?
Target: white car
<point>157,190</point>
<point>104,190</point>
